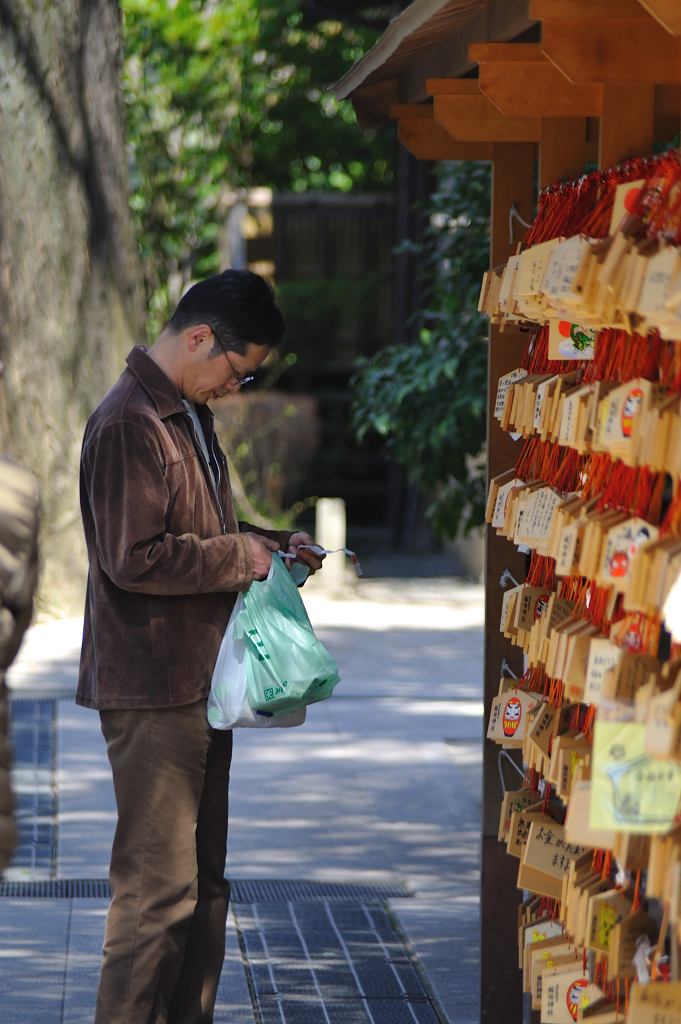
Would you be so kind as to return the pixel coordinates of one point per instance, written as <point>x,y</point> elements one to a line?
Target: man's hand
<point>262,548</point>
<point>306,557</point>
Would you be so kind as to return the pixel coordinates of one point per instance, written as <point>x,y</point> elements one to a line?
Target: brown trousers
<point>165,930</point>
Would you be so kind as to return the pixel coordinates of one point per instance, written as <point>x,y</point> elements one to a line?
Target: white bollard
<point>330,533</point>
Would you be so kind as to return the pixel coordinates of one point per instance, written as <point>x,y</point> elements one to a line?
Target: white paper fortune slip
<point>325,551</point>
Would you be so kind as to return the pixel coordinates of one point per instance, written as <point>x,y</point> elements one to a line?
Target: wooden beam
<point>545,92</point>
<point>562,152</point>
<point>599,50</point>
<point>622,135</point>
<point>476,119</point>
<point>427,140</point>
<point>612,9</point>
<point>626,123</point>
<point>522,82</point>
<point>667,12</point>
<point>538,90</point>
<point>500,979</point>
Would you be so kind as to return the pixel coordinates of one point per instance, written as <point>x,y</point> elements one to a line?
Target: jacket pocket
<point>157,627</point>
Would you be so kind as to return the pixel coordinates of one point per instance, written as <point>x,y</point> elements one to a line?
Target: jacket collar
<point>159,387</point>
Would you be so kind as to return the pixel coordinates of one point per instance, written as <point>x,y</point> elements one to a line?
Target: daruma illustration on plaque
<point>619,564</point>
<point>512,715</point>
<point>574,996</point>
<point>630,199</point>
<point>631,406</point>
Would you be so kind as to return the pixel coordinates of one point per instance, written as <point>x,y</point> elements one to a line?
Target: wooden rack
<point>602,84</point>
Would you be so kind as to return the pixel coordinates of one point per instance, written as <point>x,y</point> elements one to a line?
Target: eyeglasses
<point>238,378</point>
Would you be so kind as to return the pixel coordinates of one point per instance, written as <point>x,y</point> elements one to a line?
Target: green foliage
<point>314,300</point>
<point>428,398</point>
<point>323,309</point>
<point>227,94</point>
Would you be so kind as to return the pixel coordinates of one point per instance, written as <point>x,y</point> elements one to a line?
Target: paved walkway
<point>382,785</point>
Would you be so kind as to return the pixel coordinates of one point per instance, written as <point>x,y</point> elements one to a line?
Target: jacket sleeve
<point>282,537</point>
<point>125,486</point>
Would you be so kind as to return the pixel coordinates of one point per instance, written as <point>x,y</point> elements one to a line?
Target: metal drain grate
<point>243,891</point>
<point>33,735</point>
<point>57,888</point>
<point>275,890</point>
<point>20,696</point>
<point>329,963</point>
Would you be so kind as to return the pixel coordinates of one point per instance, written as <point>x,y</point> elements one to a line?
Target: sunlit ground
<point>381,784</point>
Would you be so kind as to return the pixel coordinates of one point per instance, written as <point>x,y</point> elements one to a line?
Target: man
<point>167,557</point>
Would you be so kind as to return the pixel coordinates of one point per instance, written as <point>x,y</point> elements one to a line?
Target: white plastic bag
<point>228,706</point>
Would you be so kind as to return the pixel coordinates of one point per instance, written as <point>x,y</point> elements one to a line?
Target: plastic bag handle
<point>325,551</point>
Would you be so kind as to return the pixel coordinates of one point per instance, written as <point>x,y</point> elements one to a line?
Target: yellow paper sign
<point>630,790</point>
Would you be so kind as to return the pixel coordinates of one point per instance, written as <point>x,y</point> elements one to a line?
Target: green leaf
<point>382,424</point>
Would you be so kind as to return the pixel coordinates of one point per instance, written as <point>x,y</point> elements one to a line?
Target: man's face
<point>208,377</point>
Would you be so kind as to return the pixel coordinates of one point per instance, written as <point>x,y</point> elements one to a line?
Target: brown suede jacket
<point>166,555</point>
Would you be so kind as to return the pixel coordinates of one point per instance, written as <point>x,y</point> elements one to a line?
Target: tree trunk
<point>71,299</point>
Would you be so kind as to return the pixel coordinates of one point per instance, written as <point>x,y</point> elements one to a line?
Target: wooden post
<point>562,149</point>
<point>469,117</point>
<point>500,979</point>
<point>626,123</point>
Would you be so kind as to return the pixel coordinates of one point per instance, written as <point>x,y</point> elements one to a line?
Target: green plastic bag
<point>286,665</point>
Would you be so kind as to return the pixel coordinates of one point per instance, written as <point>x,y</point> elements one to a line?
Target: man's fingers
<point>265,541</point>
<point>299,550</point>
<point>308,557</point>
<point>300,538</point>
<point>261,548</point>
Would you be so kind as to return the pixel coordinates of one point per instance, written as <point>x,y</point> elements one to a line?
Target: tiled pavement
<point>367,791</point>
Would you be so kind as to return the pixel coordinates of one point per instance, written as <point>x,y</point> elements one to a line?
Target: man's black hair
<point>237,305</point>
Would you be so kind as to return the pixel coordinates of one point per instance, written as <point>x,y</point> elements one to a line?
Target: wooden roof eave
<point>416,30</point>
<point>429,39</point>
